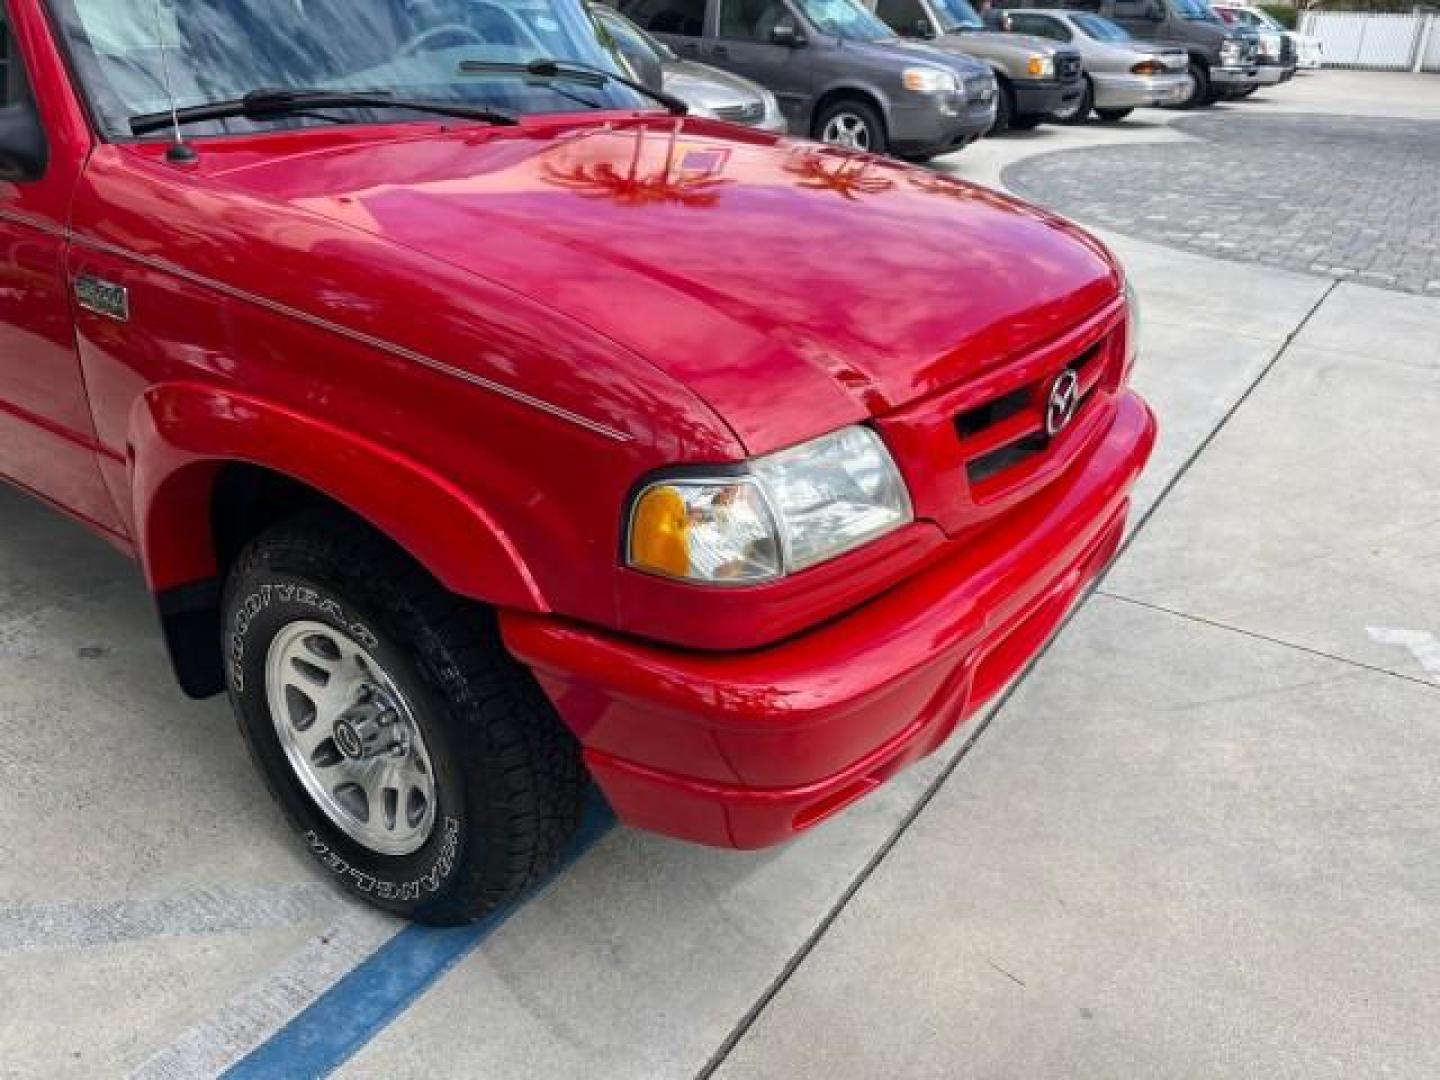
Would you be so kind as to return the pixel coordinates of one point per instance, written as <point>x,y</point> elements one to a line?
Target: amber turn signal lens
<point>1148,67</point>
<point>659,532</point>
<point>1036,66</point>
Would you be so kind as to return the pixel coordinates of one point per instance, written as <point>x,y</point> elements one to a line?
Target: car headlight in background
<point>787,511</point>
<point>928,80</point>
<point>1231,52</point>
<point>1041,67</point>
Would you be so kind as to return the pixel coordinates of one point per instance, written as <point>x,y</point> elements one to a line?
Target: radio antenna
<point>180,152</point>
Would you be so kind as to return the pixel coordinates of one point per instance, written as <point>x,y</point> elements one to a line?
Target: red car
<point>484,426</point>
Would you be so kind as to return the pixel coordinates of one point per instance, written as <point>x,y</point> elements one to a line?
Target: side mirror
<point>922,28</point>
<point>23,150</point>
<point>785,34</point>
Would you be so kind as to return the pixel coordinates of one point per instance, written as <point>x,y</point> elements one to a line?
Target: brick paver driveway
<point>1347,197</point>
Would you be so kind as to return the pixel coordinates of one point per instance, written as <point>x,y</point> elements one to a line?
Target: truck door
<point>47,439</point>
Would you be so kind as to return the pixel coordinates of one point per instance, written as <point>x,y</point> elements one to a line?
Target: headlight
<point>1231,51</point>
<point>1132,325</point>
<point>785,512</point>
<point>1041,67</point>
<point>928,80</point>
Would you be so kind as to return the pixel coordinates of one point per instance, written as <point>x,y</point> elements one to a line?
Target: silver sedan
<point>706,90</point>
<point>1121,74</point>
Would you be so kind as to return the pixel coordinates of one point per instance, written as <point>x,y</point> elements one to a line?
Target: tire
<point>862,122</point>
<point>1081,111</point>
<point>1111,116</point>
<point>1247,91</point>
<point>435,702</point>
<point>1200,92</point>
<point>1004,108</point>
<point>1026,123</point>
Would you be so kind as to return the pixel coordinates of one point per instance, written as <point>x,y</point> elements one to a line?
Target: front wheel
<point>1078,111</point>
<point>1199,89</point>
<point>1111,116</point>
<point>423,767</point>
<point>853,125</point>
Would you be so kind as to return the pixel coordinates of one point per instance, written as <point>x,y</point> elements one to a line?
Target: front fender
<point>857,87</point>
<point>182,435</point>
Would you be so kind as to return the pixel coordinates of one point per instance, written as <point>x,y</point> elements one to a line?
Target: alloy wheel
<point>351,738</point>
<point>848,130</point>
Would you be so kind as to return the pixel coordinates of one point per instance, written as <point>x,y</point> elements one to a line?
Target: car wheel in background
<point>1004,107</point>
<point>424,768</point>
<point>853,125</point>
<point>1079,111</point>
<point>1110,116</point>
<point>1199,89</point>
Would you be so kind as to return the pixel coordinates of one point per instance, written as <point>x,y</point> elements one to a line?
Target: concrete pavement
<point>1200,839</point>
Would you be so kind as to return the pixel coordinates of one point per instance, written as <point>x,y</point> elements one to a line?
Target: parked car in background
<point>1279,54</point>
<point>1223,59</point>
<point>840,74</point>
<point>1121,74</point>
<point>707,91</point>
<point>1035,77</point>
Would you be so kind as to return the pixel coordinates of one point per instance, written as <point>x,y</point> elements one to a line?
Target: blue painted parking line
<point>365,1001</point>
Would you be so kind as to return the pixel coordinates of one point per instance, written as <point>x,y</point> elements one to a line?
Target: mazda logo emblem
<point>347,739</point>
<point>1064,402</point>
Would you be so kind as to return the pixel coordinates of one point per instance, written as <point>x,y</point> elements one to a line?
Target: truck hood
<point>793,287</point>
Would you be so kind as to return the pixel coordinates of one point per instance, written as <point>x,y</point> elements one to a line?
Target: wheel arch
<point>849,91</point>
<point>212,468</point>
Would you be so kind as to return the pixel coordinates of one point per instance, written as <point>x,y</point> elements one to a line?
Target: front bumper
<point>1126,91</point>
<point>937,126</point>
<point>1041,97</point>
<point>747,749</point>
<point>1235,78</point>
<point>1274,74</point>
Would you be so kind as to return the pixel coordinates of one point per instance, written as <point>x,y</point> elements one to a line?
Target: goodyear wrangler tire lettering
<point>496,759</point>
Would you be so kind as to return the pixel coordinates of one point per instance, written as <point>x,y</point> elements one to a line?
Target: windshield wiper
<point>268,103</point>
<point>572,71</point>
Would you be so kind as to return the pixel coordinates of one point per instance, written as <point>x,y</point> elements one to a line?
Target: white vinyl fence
<point>1357,39</point>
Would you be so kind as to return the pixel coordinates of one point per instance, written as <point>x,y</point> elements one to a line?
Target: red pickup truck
<point>485,426</point>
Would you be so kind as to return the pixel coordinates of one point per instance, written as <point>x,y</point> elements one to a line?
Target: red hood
<point>793,287</point>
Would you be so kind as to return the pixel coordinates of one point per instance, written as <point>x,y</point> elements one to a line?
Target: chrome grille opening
<point>1010,430</point>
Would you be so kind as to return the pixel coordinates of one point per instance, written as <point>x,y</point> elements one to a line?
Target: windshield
<point>627,34</point>
<point>1100,28</point>
<point>1263,18</point>
<point>126,51</point>
<point>1195,10</point>
<point>845,19</point>
<point>957,15</point>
